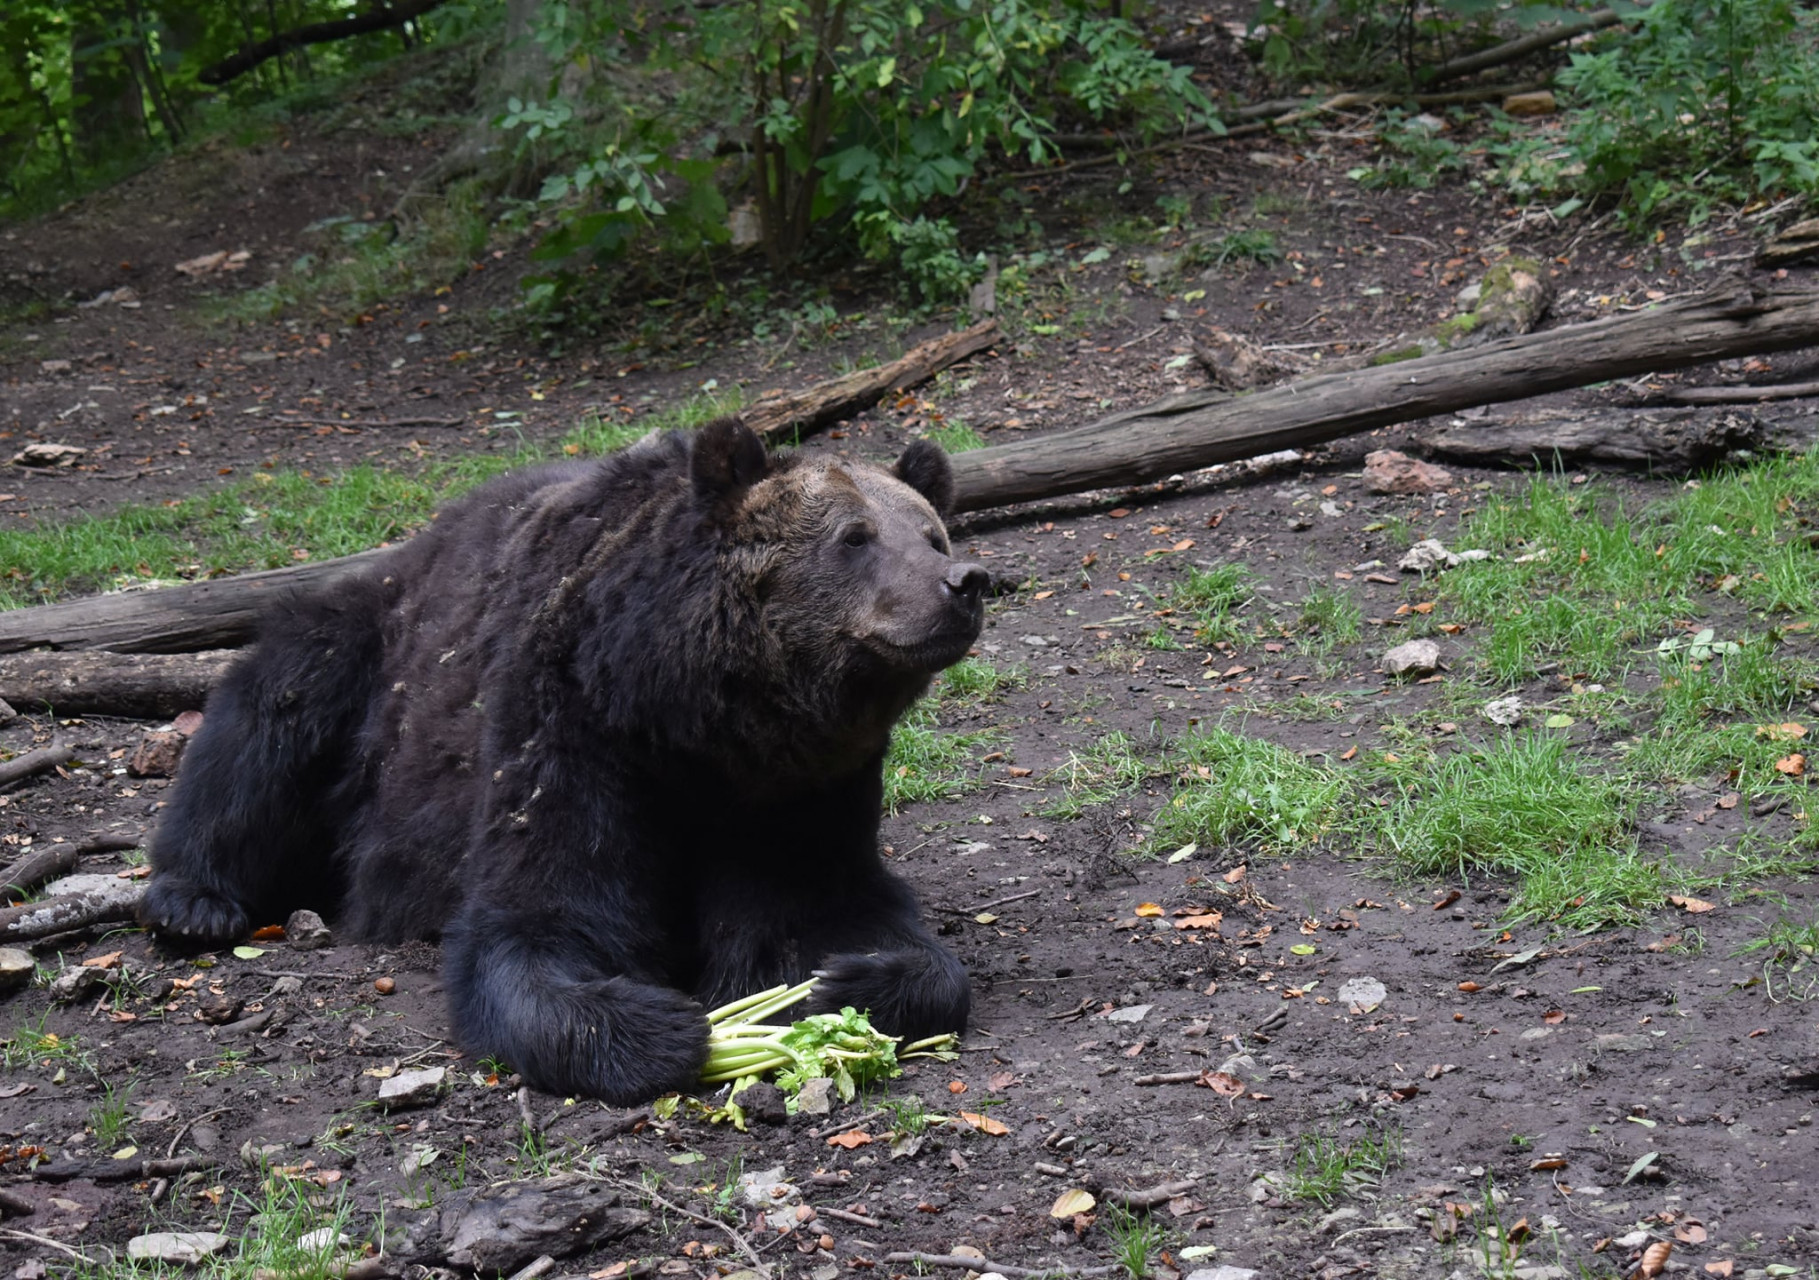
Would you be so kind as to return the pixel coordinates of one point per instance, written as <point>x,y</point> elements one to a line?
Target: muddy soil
<point>1606,1091</point>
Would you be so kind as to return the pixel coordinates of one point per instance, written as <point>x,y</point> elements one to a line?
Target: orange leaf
<point>1468,987</point>
<point>1789,732</point>
<point>1654,1258</point>
<point>1348,753</point>
<point>107,961</point>
<point>985,1124</point>
<point>1149,910</point>
<point>850,1139</point>
<point>1793,766</point>
<point>268,933</point>
<point>1721,1268</point>
<point>1691,1233</point>
<point>1222,1083</point>
<point>1692,906</point>
<point>1235,874</point>
<point>956,1086</point>
<point>1554,1017</point>
<point>1186,544</point>
<point>1208,921</point>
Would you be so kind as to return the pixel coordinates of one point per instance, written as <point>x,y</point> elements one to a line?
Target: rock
<point>412,1088</point>
<point>767,1188</point>
<point>815,1097</point>
<point>306,932</point>
<point>7,714</point>
<point>507,1225</point>
<point>110,890</point>
<point>1130,1013</point>
<point>1415,658</point>
<point>158,753</point>
<point>763,1102</point>
<point>321,1240</point>
<point>73,984</point>
<point>1223,1273</point>
<point>1504,711</point>
<point>1539,103</point>
<point>1238,364</point>
<point>1364,994</point>
<point>179,1248</point>
<point>1616,1042</point>
<point>16,969</point>
<point>1338,1218</point>
<point>45,454</point>
<point>1241,1066</point>
<point>1388,471</point>
<point>1426,555</point>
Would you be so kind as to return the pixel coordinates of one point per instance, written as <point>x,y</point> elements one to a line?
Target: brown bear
<point>614,731</point>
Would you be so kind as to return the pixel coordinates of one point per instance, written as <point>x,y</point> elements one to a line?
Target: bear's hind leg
<point>566,1026</point>
<point>263,787</point>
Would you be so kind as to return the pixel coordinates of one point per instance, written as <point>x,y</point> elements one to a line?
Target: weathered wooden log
<point>1182,435</point>
<point>1742,394</point>
<point>1668,441</point>
<point>144,686</point>
<point>35,762</point>
<point>36,867</point>
<point>47,916</point>
<point>778,415</point>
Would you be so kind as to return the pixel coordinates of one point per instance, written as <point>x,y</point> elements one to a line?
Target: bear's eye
<point>857,537</point>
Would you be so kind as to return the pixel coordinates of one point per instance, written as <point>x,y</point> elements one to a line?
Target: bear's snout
<point>968,581</point>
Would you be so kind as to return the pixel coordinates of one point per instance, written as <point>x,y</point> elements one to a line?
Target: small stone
<point>1504,711</point>
<point>1390,471</point>
<point>16,969</point>
<point>179,1248</point>
<point>1130,1013</point>
<point>814,1098</point>
<point>1223,1273</point>
<point>1426,555</point>
<point>73,984</point>
<point>321,1240</point>
<point>1620,1043</point>
<point>384,986</point>
<point>1363,993</point>
<point>412,1088</point>
<point>1539,103</point>
<point>55,366</point>
<point>158,754</point>
<point>306,932</point>
<point>1339,1217</point>
<point>1415,658</point>
<point>46,454</point>
<point>219,1010</point>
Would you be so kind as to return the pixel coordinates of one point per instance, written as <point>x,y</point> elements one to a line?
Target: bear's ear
<point>925,468</point>
<point>728,455</point>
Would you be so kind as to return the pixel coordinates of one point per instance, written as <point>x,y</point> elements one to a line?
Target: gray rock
<point>1504,711</point>
<point>1425,556</point>
<point>1365,993</point>
<point>108,889</point>
<point>412,1088</point>
<point>1620,1043</point>
<point>16,969</point>
<point>1130,1013</point>
<point>306,932</point>
<point>1338,1218</point>
<point>74,983</point>
<point>815,1098</point>
<point>1223,1273</point>
<point>506,1226</point>
<point>1414,658</point>
<point>180,1248</point>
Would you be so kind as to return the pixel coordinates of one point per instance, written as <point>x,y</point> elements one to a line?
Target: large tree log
<point>144,686</point>
<point>217,614</point>
<point>378,18</point>
<point>1187,432</point>
<point>1181,433</point>
<point>1669,441</point>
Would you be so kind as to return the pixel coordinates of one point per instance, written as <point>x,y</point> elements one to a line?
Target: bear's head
<point>847,565</point>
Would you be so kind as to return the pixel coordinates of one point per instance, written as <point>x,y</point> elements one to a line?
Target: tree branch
<point>381,17</point>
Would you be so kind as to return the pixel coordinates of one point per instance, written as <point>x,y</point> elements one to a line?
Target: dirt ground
<point>1532,1097</point>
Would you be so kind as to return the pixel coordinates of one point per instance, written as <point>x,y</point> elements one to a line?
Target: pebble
<point>412,1088</point>
<point>1414,658</point>
<point>180,1248</point>
<point>1388,471</point>
<point>1223,1273</point>
<point>73,984</point>
<point>1366,993</point>
<point>1130,1013</point>
<point>16,969</point>
<point>306,932</point>
<point>814,1098</point>
<point>384,986</point>
<point>1504,711</point>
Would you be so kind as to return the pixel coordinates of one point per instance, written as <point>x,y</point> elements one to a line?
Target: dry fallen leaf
<point>1071,1202</point>
<point>1468,987</point>
<point>1222,1083</point>
<point>1235,874</point>
<point>1654,1258</point>
<point>1793,766</point>
<point>1208,921</point>
<point>1547,1163</point>
<point>850,1139</point>
<point>1690,1232</point>
<point>1692,906</point>
<point>1789,732</point>
<point>1721,1268</point>
<point>107,961</point>
<point>268,933</point>
<point>985,1124</point>
<point>1000,1080</point>
<point>1149,910</point>
<point>956,1086</point>
<point>1554,1017</point>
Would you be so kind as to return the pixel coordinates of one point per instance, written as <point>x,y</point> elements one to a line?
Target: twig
<point>109,844</point>
<point>1003,1269</point>
<point>366,422</point>
<point>37,867</point>
<point>299,973</point>
<point>531,1270</point>
<point>121,1170</point>
<point>815,1135</point>
<point>1502,54</point>
<point>58,1245</point>
<point>35,762</point>
<point>995,902</point>
<point>1743,394</point>
<point>1149,1197</point>
<point>206,1115</point>
<point>739,1241</point>
<point>841,1215</point>
<point>1169,1077</point>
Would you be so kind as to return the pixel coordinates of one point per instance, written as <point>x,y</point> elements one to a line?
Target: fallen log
<point>37,867</point>
<point>35,762</point>
<point>1742,395</point>
<point>778,415</point>
<point>1182,435</point>
<point>48,916</point>
<point>1513,50</point>
<point>1668,441</point>
<point>144,686</point>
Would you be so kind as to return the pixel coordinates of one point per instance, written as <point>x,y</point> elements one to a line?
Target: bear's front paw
<point>188,915</point>
<point>911,994</point>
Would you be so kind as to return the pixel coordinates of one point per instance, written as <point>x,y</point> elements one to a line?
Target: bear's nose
<point>968,580</point>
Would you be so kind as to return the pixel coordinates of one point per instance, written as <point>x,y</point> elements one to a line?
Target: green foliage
<point>1412,153</point>
<point>1709,103</point>
<point>926,762</point>
<point>1325,1168</point>
<point>1239,790</point>
<point>1250,245</point>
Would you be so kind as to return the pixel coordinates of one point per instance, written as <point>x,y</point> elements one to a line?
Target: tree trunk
<point>107,113</point>
<point>143,686</point>
<point>1667,441</point>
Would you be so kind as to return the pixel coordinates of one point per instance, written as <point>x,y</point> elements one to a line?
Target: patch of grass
<point>956,437</point>
<point>926,762</point>
<point>1521,807</point>
<point>278,518</point>
<point>1332,618</point>
<point>1108,769</point>
<point>976,680</point>
<point>1324,1168</point>
<point>227,1063</point>
<point>107,1117</point>
<point>1163,640</point>
<point>1790,954</point>
<point>1240,790</point>
<point>1251,245</point>
<point>32,1045</point>
<point>907,1112</point>
<point>1212,597</point>
<point>1135,1237</point>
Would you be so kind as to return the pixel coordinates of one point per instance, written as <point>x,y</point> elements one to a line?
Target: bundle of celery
<point>843,1047</point>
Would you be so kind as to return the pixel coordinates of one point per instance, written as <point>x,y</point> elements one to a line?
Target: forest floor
<point>1383,1056</point>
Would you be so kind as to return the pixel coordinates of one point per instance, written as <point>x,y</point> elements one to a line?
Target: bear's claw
<point>187,914</point>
